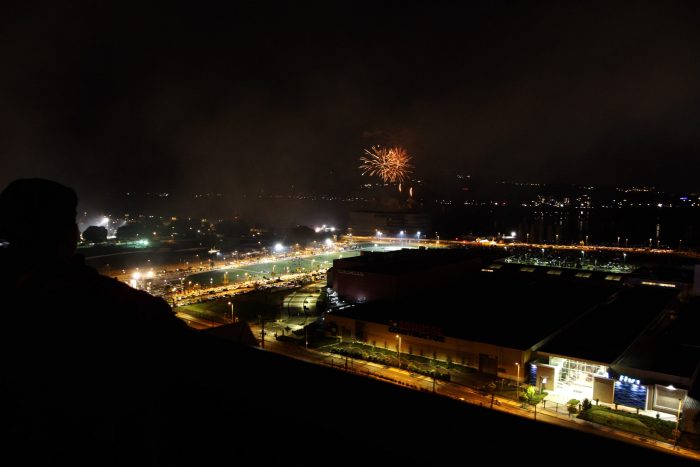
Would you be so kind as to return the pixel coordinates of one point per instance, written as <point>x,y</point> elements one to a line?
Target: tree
<point>232,229</point>
<point>528,394</point>
<point>585,405</point>
<point>300,234</point>
<point>95,234</point>
<point>531,396</point>
<point>131,231</point>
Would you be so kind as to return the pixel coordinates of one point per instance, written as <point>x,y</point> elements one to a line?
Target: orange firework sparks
<point>391,165</point>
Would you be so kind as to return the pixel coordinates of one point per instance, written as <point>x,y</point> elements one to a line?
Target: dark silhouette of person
<point>84,357</point>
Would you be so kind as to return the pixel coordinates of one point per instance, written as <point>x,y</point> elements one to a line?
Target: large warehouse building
<point>585,334</point>
<point>395,274</point>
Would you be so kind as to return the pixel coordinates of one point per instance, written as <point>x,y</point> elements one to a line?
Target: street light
<point>398,351</point>
<point>231,305</point>
<point>517,382</point>
<point>678,419</point>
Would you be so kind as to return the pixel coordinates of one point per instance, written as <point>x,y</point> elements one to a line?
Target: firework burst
<point>391,165</point>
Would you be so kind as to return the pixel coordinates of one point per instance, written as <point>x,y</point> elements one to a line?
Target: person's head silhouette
<point>37,218</point>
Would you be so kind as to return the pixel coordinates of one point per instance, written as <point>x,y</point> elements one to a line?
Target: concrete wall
<point>459,351</point>
<point>667,400</point>
<point>548,372</point>
<point>604,389</point>
<point>363,286</point>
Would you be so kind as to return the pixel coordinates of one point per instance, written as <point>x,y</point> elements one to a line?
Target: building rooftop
<point>511,309</point>
<point>411,260</point>
<point>605,331</point>
<point>669,346</point>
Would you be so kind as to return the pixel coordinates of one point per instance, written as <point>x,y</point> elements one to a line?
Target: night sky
<point>188,96</point>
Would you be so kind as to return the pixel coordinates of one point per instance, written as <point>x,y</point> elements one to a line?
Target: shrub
<point>585,405</point>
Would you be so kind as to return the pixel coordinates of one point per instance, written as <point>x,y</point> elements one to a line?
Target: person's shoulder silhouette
<point>37,222</point>
<point>84,354</point>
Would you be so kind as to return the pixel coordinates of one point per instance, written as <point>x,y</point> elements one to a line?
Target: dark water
<point>662,227</point>
<point>666,227</point>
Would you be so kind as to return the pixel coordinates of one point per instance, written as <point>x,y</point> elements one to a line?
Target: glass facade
<point>576,372</point>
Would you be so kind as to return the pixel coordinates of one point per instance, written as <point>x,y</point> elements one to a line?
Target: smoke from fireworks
<point>391,165</point>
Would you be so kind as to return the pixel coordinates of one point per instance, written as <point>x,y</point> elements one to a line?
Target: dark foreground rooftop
<point>248,405</point>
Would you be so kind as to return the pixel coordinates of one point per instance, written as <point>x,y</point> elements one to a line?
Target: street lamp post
<point>398,352</point>
<point>231,305</point>
<point>678,419</point>
<point>517,382</point>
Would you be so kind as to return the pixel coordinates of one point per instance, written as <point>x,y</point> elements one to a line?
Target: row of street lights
<point>658,241</point>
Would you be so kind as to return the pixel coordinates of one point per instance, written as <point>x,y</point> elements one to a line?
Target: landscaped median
<point>412,363</point>
<point>643,425</point>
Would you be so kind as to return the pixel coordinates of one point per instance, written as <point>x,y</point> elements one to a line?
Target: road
<point>413,243</point>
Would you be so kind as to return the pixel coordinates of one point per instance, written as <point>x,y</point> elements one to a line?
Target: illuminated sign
<point>350,273</point>
<point>422,331</point>
<point>626,379</point>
